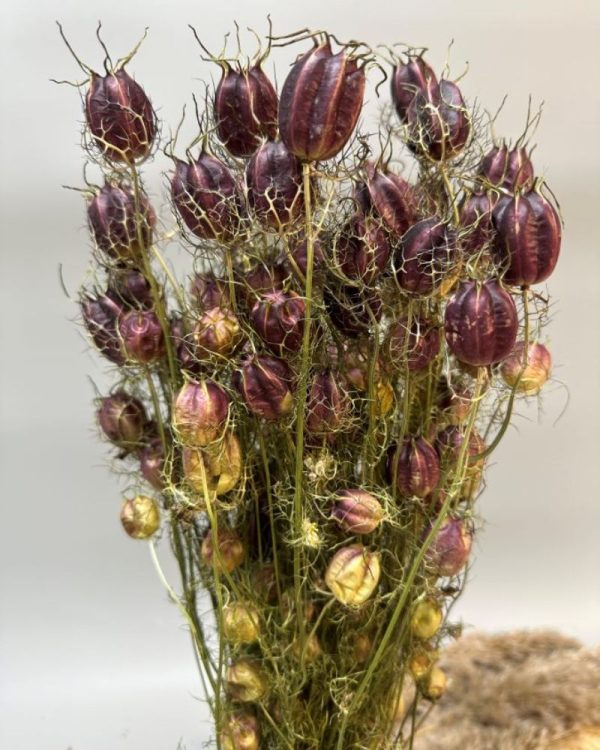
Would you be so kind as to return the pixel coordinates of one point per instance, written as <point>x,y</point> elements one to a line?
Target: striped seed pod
<point>414,467</point>
<point>508,168</point>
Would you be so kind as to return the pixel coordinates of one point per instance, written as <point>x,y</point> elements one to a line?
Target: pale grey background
<point>92,655</point>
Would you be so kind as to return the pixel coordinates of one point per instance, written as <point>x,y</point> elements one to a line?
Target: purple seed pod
<point>362,249</point>
<point>260,279</point>
<point>408,79</point>
<point>274,184</point>
<point>449,551</point>
<point>200,410</point>
<point>320,103</point>
<point>100,317</point>
<point>357,511</point>
<point>120,116</point>
<point>299,256</point>
<point>207,197</point>
<point>449,442</point>
<point>414,467</point>
<point>327,404</point>
<point>528,237</point>
<point>389,197</point>
<point>278,318</point>
<point>208,291</point>
<point>265,384</point>
<point>122,418</point>
<point>421,348</point>
<point>454,402</point>
<point>117,228</point>
<point>481,323</point>
<point>183,348</point>
<point>356,361</point>
<point>476,226</point>
<point>130,288</point>
<point>245,109</point>
<point>351,310</point>
<point>152,463</point>
<point>439,123</point>
<point>507,168</point>
<point>427,254</point>
<point>142,336</point>
<point>216,332</point>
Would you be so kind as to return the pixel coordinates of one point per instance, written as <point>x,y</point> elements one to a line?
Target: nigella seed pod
<point>527,373</point>
<point>245,109</point>
<point>353,574</point>
<point>299,257</point>
<point>122,418</point>
<point>121,228</point>
<point>414,467</point>
<point>260,279</point>
<point>357,511</point>
<point>207,197</point>
<point>216,332</point>
<point>528,237</point>
<point>433,685</point>
<point>241,622</point>
<point>246,681</point>
<point>351,310</point>
<point>327,404</point>
<point>142,336</point>
<point>140,517</point>
<point>455,402</point>
<point>414,348</point>
<point>407,80</point>
<point>240,732</point>
<point>216,468</point>
<point>321,100</point>
<point>130,288</point>
<point>278,318</point>
<point>231,554</point>
<point>362,249</point>
<point>426,619</point>
<point>100,317</point>
<point>183,347</point>
<point>476,225</point>
<point>450,549</point>
<point>152,463</point>
<point>208,291</point>
<point>427,254</point>
<point>356,366</point>
<point>481,323</point>
<point>265,384</point>
<point>507,168</point>
<point>422,660</point>
<point>448,444</point>
<point>389,197</point>
<point>120,116</point>
<point>200,411</point>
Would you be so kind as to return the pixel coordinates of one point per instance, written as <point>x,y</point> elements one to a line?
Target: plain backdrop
<point>92,654</point>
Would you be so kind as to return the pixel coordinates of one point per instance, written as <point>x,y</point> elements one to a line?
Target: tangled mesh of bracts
<point>308,415</point>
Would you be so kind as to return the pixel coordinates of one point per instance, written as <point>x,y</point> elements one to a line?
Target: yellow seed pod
<point>232,552</point>
<point>353,574</point>
<point>246,681</point>
<point>534,374</point>
<point>140,517</point>
<point>218,467</point>
<point>434,684</point>
<point>422,660</point>
<point>426,619</point>
<point>241,622</point>
<point>240,732</point>
<point>312,648</point>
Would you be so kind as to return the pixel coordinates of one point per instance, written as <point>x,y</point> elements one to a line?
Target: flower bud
<point>240,732</point>
<point>120,116</point>
<point>140,517</point>
<point>362,249</point>
<point>426,619</point>
<point>278,318</point>
<point>328,404</point>
<point>265,384</point>
<point>245,681</point>
<point>245,109</point>
<point>389,197</point>
<point>142,336</point>
<point>507,168</point>
<point>216,332</point>
<point>152,463</point>
<point>274,183</point>
<point>450,549</point>
<point>208,291</point>
<point>416,348</point>
<point>352,311</point>
<point>426,255</point>
<point>241,622</point>
<point>528,238</point>
<point>477,228</point>
<point>353,574</point>
<point>216,468</point>
<point>321,100</point>
<point>433,685</point>
<point>527,375</point>
<point>414,467</point>
<point>207,197</point>
<point>100,316</point>
<point>120,228</point>
<point>130,288</point>
<point>231,550</point>
<point>409,79</point>
<point>481,323</point>
<point>122,419</point>
<point>357,511</point>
